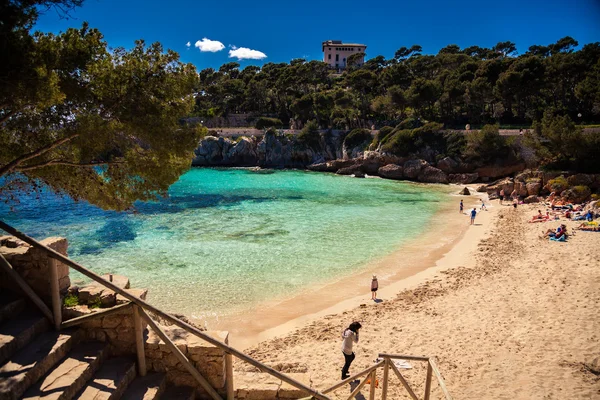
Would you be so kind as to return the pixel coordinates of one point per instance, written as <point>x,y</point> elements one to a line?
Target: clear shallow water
<point>225,240</point>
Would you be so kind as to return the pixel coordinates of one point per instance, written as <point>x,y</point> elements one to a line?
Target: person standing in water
<point>473,215</point>
<point>349,337</point>
<point>374,287</point>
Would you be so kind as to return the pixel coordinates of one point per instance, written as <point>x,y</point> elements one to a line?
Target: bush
<point>381,135</point>
<point>264,122</point>
<point>71,300</point>
<point>558,184</point>
<point>358,138</point>
<point>400,143</point>
<point>310,136</point>
<point>487,146</point>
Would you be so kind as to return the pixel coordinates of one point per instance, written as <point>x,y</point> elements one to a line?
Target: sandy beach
<point>507,314</point>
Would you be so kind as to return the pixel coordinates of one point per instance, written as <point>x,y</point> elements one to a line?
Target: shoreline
<point>419,257</point>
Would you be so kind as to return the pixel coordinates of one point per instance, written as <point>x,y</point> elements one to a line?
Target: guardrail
<point>141,310</point>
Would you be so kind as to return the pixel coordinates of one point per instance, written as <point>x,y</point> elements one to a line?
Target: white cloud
<point>209,45</point>
<point>244,53</point>
<point>188,44</point>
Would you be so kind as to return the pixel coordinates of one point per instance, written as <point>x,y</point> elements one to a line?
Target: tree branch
<point>36,153</point>
<point>67,163</point>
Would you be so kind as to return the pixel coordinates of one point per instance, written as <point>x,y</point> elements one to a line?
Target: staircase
<point>38,363</point>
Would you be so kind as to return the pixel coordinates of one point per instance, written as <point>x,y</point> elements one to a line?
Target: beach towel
<point>563,238</point>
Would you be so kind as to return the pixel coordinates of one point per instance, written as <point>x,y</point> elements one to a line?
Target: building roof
<point>339,43</point>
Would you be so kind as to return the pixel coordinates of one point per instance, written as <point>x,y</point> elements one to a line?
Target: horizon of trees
<point>456,86</point>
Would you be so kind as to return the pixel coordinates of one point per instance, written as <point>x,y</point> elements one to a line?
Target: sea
<point>226,240</point>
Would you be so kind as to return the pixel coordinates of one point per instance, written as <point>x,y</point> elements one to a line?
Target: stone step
<point>71,375</point>
<point>19,331</point>
<point>260,385</point>
<point>111,381</point>
<point>10,308</point>
<point>179,393</point>
<point>33,361</point>
<point>149,387</point>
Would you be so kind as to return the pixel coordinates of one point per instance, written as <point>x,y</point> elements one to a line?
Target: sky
<point>211,33</point>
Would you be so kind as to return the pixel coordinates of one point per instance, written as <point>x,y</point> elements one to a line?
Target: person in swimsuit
<point>473,215</point>
<point>461,207</point>
<point>374,287</point>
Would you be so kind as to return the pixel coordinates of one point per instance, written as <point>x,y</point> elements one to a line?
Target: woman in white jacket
<point>349,337</point>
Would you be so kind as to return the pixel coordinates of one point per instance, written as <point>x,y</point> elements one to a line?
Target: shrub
<point>581,190</point>
<point>400,143</point>
<point>310,136</point>
<point>558,184</point>
<point>71,300</point>
<point>381,135</point>
<point>358,138</point>
<point>486,145</point>
<point>264,122</point>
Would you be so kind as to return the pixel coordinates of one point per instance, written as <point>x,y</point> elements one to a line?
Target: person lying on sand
<point>539,217</point>
<point>584,227</point>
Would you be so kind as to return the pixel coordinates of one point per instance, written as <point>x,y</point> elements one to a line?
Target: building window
<point>330,56</point>
<point>337,57</point>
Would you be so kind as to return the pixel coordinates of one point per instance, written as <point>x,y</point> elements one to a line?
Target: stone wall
<point>33,264</point>
<point>208,359</point>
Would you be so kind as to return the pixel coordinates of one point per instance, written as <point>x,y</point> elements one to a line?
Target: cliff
<point>329,152</point>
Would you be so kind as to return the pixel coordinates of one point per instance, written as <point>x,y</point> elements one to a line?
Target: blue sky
<point>283,30</point>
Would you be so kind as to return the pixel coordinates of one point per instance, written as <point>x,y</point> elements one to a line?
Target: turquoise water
<point>225,240</point>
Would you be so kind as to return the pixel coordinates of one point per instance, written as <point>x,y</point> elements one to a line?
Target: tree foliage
<point>457,86</point>
<point>90,123</point>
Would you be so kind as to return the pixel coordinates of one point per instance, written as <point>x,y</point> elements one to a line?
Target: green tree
<point>92,124</point>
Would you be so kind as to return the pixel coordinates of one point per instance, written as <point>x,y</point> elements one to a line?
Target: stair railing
<point>141,310</point>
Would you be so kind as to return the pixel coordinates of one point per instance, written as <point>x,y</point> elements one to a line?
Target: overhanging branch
<point>65,163</point>
<point>11,166</point>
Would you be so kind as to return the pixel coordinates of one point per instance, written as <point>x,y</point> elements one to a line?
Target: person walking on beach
<point>501,196</point>
<point>483,205</point>
<point>374,287</point>
<point>473,215</point>
<point>349,337</point>
<point>462,206</point>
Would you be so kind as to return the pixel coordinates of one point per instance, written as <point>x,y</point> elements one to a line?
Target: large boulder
<point>412,168</point>
<point>506,184</point>
<point>431,174</point>
<point>531,199</point>
<point>533,188</point>
<point>463,179</point>
<point>580,180</point>
<point>576,195</point>
<point>391,171</point>
<point>482,189</point>
<point>528,175</point>
<point>520,188</point>
<point>447,164</point>
<point>243,153</point>
<point>465,192</point>
<point>331,166</point>
<point>351,170</point>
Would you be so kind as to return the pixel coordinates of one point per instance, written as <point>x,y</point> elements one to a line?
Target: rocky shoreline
<point>332,155</point>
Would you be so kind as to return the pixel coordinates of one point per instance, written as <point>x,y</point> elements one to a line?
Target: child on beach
<point>473,215</point>
<point>483,205</point>
<point>461,207</point>
<point>374,287</point>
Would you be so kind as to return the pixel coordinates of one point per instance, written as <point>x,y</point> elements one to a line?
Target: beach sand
<point>507,314</point>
